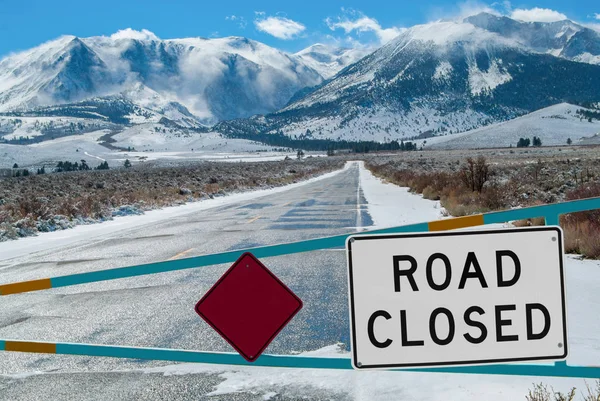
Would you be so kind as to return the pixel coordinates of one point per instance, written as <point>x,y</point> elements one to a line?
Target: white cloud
<point>363,23</point>
<point>129,33</point>
<point>595,27</point>
<point>280,27</point>
<point>537,14</point>
<point>241,21</point>
<point>597,16</point>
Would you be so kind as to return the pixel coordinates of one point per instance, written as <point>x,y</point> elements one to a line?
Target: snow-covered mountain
<point>328,60</point>
<point>214,79</point>
<point>63,70</point>
<point>564,39</point>
<point>437,78</point>
<point>433,79</point>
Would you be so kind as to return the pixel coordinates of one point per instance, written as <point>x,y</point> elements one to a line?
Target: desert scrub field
<point>470,182</point>
<point>50,202</point>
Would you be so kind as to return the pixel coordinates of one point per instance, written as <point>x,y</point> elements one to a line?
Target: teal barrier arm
<point>218,258</point>
<point>556,209</point>
<point>302,362</point>
<point>306,246</point>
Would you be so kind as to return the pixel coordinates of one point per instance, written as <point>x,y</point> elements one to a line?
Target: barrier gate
<point>550,213</point>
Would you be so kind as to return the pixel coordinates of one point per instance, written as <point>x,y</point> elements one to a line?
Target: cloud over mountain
<point>279,27</point>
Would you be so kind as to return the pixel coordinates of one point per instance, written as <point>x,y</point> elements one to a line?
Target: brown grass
<point>582,230</point>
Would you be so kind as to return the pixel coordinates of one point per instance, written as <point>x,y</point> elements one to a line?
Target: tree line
<point>281,140</point>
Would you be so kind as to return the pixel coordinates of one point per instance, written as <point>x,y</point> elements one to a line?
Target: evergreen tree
<point>25,173</point>
<point>127,163</point>
<point>537,141</point>
<point>15,165</point>
<point>569,141</point>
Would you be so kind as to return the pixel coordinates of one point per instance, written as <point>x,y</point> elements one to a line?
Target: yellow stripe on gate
<point>24,346</point>
<point>458,222</point>
<point>25,286</point>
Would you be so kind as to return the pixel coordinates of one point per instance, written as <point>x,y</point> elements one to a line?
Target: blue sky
<point>289,26</point>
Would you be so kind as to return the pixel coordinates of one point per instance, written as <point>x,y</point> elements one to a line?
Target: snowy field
<point>146,145</point>
<point>553,125</point>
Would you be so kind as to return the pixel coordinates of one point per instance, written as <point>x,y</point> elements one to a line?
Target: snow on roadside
<point>44,241</point>
<point>390,205</point>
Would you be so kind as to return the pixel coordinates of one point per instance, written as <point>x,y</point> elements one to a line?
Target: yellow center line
<point>181,254</point>
<point>253,220</point>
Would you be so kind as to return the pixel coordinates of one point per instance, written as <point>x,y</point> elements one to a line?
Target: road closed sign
<point>456,298</point>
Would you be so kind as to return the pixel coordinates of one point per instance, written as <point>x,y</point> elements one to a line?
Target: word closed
<point>457,298</point>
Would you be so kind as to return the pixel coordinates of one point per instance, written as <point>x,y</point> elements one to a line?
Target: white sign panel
<point>470,297</point>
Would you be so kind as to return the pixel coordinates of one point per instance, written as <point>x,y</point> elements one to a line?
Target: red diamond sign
<point>248,306</point>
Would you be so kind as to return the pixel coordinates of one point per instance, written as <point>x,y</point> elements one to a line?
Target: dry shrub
<point>593,394</point>
<point>494,197</point>
<point>211,188</point>
<point>582,230</point>
<point>541,392</point>
<point>459,202</point>
<point>582,237</point>
<point>475,173</point>
<point>534,221</point>
<point>430,193</point>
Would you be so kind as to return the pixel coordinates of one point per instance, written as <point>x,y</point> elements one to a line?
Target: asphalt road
<point>158,310</point>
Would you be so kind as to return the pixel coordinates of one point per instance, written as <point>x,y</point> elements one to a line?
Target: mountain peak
<point>328,60</point>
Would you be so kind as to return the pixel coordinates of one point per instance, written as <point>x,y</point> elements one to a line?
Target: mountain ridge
<point>434,79</point>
